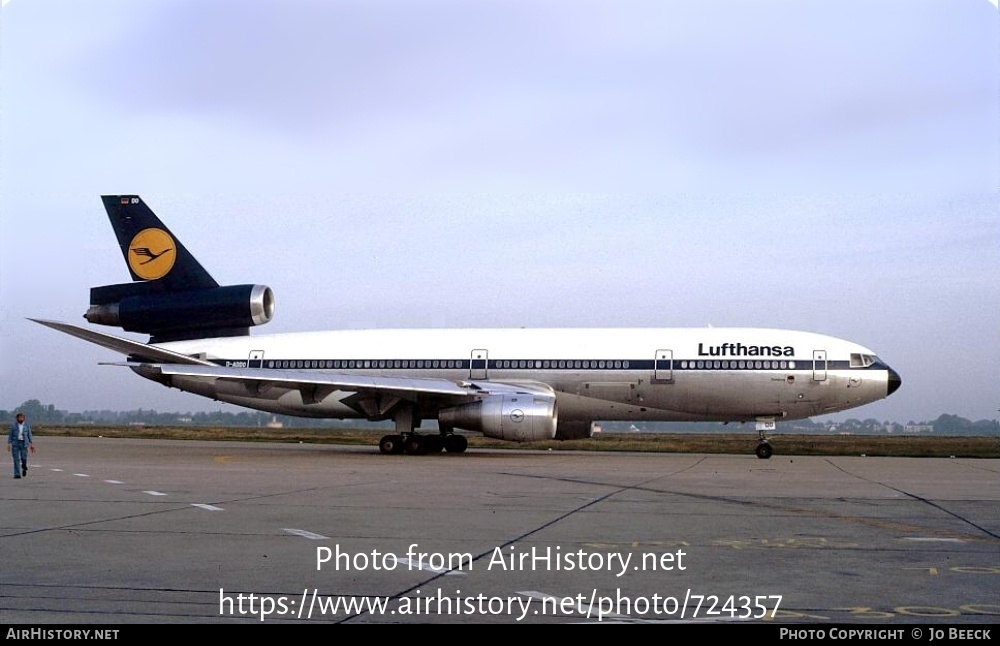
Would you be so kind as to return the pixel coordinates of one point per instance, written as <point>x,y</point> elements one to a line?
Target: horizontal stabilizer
<point>134,349</point>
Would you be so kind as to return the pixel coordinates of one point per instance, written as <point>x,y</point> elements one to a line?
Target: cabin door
<point>819,365</point>
<point>478,364</point>
<point>663,365</point>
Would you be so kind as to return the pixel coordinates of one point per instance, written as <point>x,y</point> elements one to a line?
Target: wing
<point>371,396</point>
<point>318,392</point>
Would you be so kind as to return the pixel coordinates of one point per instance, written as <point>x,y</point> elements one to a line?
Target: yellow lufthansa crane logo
<point>151,254</point>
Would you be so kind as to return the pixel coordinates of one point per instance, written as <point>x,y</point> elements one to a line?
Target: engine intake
<point>515,417</point>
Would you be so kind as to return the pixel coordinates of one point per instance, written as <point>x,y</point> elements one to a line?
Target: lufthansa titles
<point>741,350</point>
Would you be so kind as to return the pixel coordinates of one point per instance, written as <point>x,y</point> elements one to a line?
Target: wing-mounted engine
<point>177,315</point>
<point>516,417</point>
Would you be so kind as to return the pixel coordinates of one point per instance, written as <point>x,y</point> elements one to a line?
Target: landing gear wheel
<point>413,445</point>
<point>764,450</point>
<point>391,444</point>
<point>455,443</point>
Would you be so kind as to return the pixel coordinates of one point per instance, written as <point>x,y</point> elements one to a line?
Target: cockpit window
<point>859,360</point>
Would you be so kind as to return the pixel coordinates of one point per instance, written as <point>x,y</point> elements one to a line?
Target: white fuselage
<point>669,374</point>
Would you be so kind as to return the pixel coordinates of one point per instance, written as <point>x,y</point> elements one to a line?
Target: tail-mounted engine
<point>178,315</point>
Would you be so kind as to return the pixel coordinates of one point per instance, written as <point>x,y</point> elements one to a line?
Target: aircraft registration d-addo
<point>513,384</point>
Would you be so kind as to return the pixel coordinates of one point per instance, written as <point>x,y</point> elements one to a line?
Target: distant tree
<point>952,425</point>
<point>38,412</point>
<point>986,427</point>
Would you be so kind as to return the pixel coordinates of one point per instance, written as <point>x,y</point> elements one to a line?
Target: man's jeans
<point>19,451</point>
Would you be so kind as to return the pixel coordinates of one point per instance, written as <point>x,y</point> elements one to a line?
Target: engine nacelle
<point>217,311</point>
<point>515,417</point>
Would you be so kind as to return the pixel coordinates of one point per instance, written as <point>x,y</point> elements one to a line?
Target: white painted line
<point>419,565</point>
<point>932,539</point>
<point>82,475</point>
<point>535,594</point>
<point>154,493</point>
<point>304,534</point>
<point>202,505</point>
<point>55,469</point>
<point>114,482</point>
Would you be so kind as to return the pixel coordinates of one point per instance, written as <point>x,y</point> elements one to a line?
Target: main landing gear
<point>415,444</point>
<point>764,449</point>
<point>407,440</point>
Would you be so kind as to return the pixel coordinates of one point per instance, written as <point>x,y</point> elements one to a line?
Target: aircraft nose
<point>894,382</point>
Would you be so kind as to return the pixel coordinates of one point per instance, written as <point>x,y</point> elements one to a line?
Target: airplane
<point>520,385</point>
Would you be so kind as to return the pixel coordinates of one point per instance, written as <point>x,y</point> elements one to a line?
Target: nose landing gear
<point>764,449</point>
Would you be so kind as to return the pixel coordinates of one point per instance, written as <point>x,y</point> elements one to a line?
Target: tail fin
<point>171,297</point>
<point>151,251</point>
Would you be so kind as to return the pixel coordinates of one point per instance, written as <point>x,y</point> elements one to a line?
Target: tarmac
<point>111,531</point>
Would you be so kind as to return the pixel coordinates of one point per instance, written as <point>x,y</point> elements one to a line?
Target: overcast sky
<point>830,166</point>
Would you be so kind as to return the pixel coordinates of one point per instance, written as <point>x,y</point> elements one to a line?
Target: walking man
<point>19,442</point>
